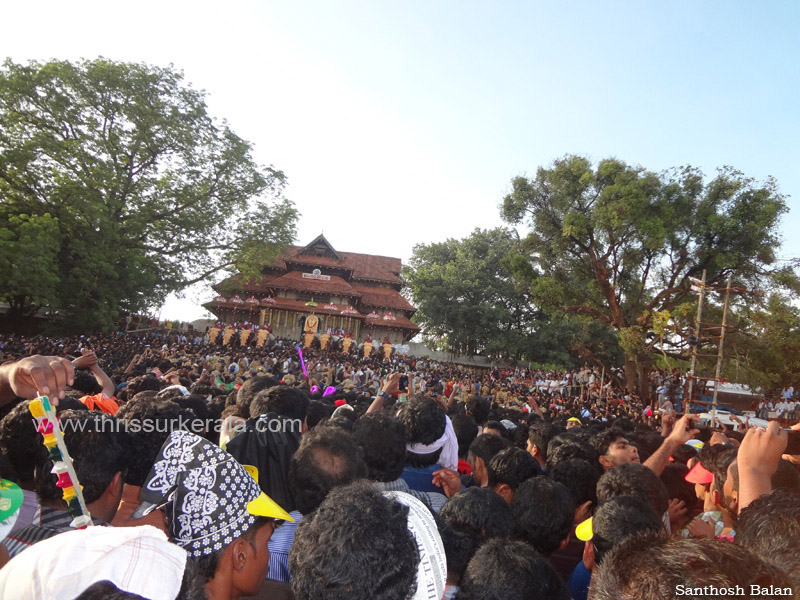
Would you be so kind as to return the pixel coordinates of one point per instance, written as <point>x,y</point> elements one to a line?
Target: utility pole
<point>720,355</point>
<point>699,286</point>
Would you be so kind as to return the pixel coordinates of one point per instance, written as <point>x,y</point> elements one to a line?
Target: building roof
<point>294,280</point>
<point>362,266</point>
<point>398,323</point>
<point>382,298</point>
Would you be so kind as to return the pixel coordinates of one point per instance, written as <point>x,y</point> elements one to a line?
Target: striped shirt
<point>279,545</point>
<point>433,500</point>
<point>47,522</point>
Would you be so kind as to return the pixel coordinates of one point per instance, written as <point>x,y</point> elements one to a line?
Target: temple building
<point>356,293</point>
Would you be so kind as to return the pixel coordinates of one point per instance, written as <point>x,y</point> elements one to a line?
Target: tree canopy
<point>618,243</point>
<point>469,302</point>
<point>117,187</point>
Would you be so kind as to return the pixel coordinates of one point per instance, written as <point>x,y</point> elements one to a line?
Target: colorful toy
<point>53,438</point>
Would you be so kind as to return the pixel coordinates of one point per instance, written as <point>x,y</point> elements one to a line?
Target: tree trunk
<point>644,384</point>
<point>630,374</point>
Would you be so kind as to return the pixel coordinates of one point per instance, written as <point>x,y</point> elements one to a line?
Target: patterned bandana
<point>206,493</point>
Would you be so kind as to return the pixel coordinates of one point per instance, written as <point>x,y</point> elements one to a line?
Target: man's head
<point>615,449</point>
<point>511,571</point>
<point>471,518</point>
<point>785,477</point>
<point>649,568</point>
<point>19,442</point>
<point>634,480</point>
<point>327,457</point>
<point>215,511</point>
<point>769,527</point>
<point>466,431</point>
<point>251,387</point>
<point>149,423</point>
<point>425,422</point>
<point>478,409</point>
<point>539,436</point>
<point>616,520</point>
<point>580,478</point>
<point>508,469</point>
<point>674,479</point>
<point>481,452</point>
<point>355,546</point>
<point>284,401</point>
<point>100,452</point>
<point>543,514</point>
<point>382,439</point>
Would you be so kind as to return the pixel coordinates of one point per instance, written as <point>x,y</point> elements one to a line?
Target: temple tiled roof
<point>363,266</point>
<point>294,280</point>
<point>382,298</point>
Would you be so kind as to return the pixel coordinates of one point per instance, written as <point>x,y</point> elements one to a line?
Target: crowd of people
<point>220,472</point>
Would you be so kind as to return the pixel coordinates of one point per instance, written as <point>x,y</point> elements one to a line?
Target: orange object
<point>101,403</point>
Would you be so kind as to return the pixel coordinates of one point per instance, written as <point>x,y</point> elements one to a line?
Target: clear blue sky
<point>403,122</point>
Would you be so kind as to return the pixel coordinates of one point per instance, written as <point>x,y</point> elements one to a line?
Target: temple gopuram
<point>348,294</point>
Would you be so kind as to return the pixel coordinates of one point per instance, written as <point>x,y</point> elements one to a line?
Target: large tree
<point>618,243</point>
<point>466,296</point>
<point>134,189</point>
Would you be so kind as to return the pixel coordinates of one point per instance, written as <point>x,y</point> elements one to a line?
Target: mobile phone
<point>793,443</point>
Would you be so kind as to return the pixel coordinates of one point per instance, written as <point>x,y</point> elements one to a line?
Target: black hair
<point>674,479</point>
<point>684,453</point>
<point>282,400</point>
<point>716,459</point>
<point>192,588</point>
<point>478,409</point>
<point>486,445</point>
<point>473,517</point>
<point>85,383</point>
<point>355,546</point>
<point>497,426</point>
<point>318,411</point>
<point>562,449</point>
<point>619,518</point>
<point>512,466</point>
<point>510,571</point>
<point>99,450</point>
<point>149,423</point>
<point>327,457</point>
<point>603,439</point>
<point>18,441</point>
<point>383,441</point>
<point>466,431</point>
<point>106,590</point>
<point>540,434</point>
<point>646,567</point>
<point>251,387</point>
<point>424,421</point>
<point>543,513</point>
<point>579,477</point>
<point>141,384</point>
<point>770,528</point>
<point>633,479</point>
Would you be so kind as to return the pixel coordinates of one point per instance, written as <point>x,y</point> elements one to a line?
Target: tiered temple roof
<point>367,283</point>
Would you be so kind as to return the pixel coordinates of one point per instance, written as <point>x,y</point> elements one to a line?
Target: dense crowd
<point>220,472</point>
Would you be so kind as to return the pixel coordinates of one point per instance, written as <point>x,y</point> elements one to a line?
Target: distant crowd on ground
<point>224,472</point>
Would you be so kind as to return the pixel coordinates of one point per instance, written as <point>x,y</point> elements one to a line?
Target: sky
<point>403,123</point>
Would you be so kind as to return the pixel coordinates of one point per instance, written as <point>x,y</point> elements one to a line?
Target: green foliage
<point>469,302</point>
<point>618,243</point>
<point>467,299</point>
<point>28,246</point>
<point>148,193</point>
